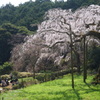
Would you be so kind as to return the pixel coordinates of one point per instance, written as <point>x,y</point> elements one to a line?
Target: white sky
<point>14,2</point>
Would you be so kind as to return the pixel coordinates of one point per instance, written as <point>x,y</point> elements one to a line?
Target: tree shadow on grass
<point>71,94</point>
<point>77,94</point>
<point>68,94</point>
<point>65,95</point>
<point>89,85</point>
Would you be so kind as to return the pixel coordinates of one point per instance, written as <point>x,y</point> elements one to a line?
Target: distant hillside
<point>33,12</point>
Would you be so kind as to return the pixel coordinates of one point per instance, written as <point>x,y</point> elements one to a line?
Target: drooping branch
<point>92,33</point>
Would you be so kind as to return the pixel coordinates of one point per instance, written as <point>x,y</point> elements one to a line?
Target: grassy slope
<point>57,90</point>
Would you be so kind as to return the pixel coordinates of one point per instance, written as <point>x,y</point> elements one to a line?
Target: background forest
<point>18,22</point>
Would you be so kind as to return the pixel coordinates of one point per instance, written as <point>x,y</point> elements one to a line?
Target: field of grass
<point>57,90</point>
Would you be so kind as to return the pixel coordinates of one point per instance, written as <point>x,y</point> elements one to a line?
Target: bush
<point>15,73</point>
<point>96,79</point>
<point>94,58</point>
<point>24,83</point>
<point>17,86</point>
<point>5,76</point>
<point>24,74</point>
<point>51,76</point>
<point>30,82</point>
<point>40,77</point>
<point>6,68</point>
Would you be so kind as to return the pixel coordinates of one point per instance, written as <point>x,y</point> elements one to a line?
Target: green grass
<point>57,90</point>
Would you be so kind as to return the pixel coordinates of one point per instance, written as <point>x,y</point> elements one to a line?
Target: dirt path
<point>9,87</point>
<point>1,89</point>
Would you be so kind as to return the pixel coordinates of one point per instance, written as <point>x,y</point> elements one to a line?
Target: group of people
<point>6,82</point>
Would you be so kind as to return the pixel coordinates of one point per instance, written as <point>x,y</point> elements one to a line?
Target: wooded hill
<point>32,12</point>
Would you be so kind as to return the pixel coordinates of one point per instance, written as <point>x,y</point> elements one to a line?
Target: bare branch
<point>92,33</point>
<point>48,30</point>
<point>48,46</point>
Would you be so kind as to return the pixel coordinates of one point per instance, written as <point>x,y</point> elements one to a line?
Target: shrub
<point>6,76</point>
<point>6,68</point>
<point>17,86</point>
<point>30,82</point>
<point>24,74</point>
<point>24,83</point>
<point>94,58</point>
<point>96,79</point>
<point>40,77</point>
<point>15,73</point>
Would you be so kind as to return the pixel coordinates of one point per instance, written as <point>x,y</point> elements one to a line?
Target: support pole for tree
<point>45,73</point>
<point>72,61</point>
<point>86,58</point>
<point>33,72</point>
<point>84,62</point>
<point>2,98</point>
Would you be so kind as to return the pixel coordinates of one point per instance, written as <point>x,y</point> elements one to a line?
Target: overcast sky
<point>14,2</point>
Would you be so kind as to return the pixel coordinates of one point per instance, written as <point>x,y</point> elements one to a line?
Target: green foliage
<point>57,90</point>
<point>74,4</point>
<point>12,29</point>
<point>6,68</point>
<point>24,82</point>
<point>23,30</point>
<point>47,76</point>
<point>42,77</point>
<point>94,58</point>
<point>32,12</point>
<point>27,13</point>
<point>96,79</point>
<point>7,32</point>
<point>6,76</point>
<point>4,46</point>
<point>14,73</point>
<point>24,74</point>
<point>18,74</point>
<point>7,13</point>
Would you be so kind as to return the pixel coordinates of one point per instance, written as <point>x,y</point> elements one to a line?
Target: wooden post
<point>72,61</point>
<point>84,62</point>
<point>33,73</point>
<point>2,98</point>
<point>45,75</point>
<point>86,58</point>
